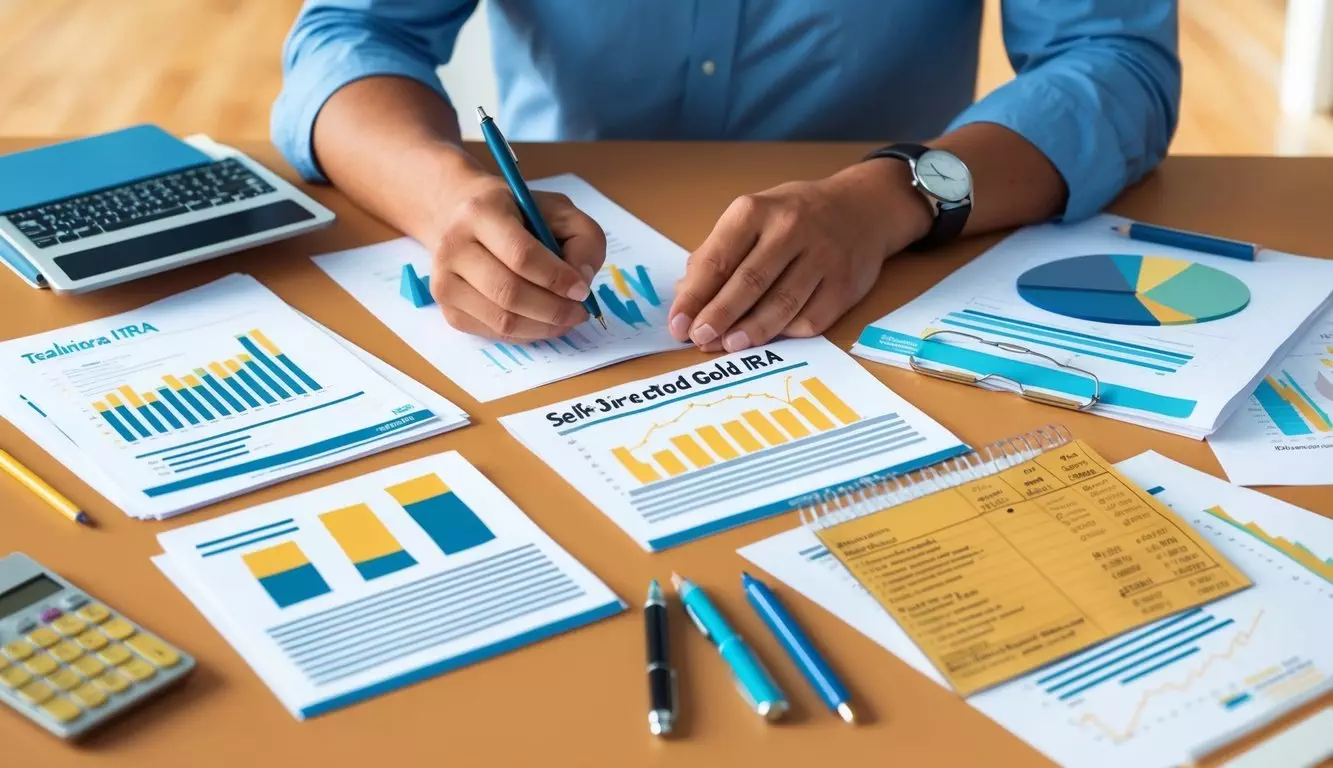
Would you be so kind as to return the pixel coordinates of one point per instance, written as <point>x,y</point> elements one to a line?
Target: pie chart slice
<point>1129,289</point>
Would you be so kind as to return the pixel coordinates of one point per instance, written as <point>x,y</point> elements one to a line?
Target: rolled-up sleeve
<point>337,42</point>
<point>1097,90</point>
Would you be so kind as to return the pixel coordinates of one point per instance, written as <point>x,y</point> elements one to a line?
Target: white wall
<point>469,77</point>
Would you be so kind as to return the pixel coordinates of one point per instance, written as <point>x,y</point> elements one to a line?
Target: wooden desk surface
<point>580,699</point>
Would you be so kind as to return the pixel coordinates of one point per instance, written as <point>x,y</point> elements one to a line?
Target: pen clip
<point>510,148</point>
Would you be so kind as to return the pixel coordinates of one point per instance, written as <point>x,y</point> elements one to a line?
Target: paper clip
<point>980,380</point>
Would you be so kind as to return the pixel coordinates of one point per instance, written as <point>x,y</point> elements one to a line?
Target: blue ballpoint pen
<point>508,162</point>
<point>752,680</point>
<point>803,652</point>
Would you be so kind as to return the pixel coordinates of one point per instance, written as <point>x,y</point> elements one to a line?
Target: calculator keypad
<point>72,662</point>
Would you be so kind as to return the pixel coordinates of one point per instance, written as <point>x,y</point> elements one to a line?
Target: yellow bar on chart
<point>174,382</point>
<point>618,279</point>
<point>1327,362</point>
<point>131,396</point>
<point>193,381</point>
<point>360,533</point>
<point>764,427</point>
<point>277,559</point>
<point>218,371</point>
<point>100,406</point>
<point>1299,403</point>
<point>834,404</point>
<point>418,489</point>
<point>642,472</point>
<point>812,413</point>
<point>788,421</point>
<point>668,461</point>
<point>113,400</point>
<point>714,440</point>
<point>233,366</point>
<point>697,455</point>
<point>244,358</point>
<point>150,397</point>
<point>742,436</point>
<point>269,346</point>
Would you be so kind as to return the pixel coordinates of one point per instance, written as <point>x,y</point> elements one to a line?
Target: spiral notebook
<point>1004,560</point>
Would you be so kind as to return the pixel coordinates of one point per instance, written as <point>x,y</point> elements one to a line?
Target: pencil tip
<point>83,519</point>
<point>846,713</point>
<point>676,580</point>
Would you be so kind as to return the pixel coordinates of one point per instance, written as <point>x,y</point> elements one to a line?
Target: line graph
<point>1298,552</point>
<point>1120,735</point>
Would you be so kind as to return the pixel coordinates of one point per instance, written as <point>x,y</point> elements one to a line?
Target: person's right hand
<point>494,279</point>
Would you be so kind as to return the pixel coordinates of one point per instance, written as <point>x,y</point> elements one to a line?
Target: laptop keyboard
<point>161,197</point>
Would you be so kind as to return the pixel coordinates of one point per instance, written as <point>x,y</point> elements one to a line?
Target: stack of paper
<point>1169,692</point>
<point>1178,339</point>
<point>1284,433</point>
<point>374,583</point>
<point>634,290</point>
<point>205,395</point>
<point>745,436</point>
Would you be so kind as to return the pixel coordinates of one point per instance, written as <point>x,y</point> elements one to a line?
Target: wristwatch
<point>943,180</point>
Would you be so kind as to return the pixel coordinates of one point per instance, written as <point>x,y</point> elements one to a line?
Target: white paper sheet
<point>377,582</point>
<point>1184,378</point>
<point>1164,694</point>
<point>634,304</point>
<point>1283,435</point>
<point>236,299</point>
<point>745,436</point>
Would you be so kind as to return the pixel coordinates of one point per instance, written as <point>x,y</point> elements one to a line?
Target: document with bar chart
<point>381,581</point>
<point>1284,434</point>
<point>1176,339</point>
<point>1170,692</point>
<point>210,393</point>
<point>634,288</point>
<point>753,434</point>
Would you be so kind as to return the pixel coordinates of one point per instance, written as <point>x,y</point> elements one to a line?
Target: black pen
<point>661,677</point>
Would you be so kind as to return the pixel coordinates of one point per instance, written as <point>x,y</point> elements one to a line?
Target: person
<point>1091,108</point>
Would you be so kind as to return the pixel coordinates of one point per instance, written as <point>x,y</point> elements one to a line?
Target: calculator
<point>67,661</point>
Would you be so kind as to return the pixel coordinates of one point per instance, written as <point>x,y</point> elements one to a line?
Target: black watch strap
<point>949,217</point>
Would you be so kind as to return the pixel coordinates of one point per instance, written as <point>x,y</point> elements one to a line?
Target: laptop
<point>98,211</point>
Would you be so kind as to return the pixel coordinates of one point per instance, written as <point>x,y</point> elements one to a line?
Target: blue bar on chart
<point>203,394</point>
<point>235,369</point>
<point>450,523</point>
<point>123,412</point>
<point>1284,415</point>
<point>182,392</point>
<point>222,374</point>
<point>286,574</point>
<point>273,350</point>
<point>170,398</point>
<point>619,297</point>
<point>262,376</point>
<point>142,409</point>
<point>270,364</point>
<point>105,411</point>
<point>216,387</point>
<point>156,404</point>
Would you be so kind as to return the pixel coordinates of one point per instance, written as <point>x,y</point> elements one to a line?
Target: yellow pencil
<point>44,491</point>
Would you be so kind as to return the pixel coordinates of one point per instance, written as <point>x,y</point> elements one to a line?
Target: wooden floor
<point>70,67</point>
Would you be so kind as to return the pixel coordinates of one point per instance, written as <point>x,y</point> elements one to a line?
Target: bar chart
<point>621,296</point>
<point>1293,411</point>
<point>260,375</point>
<point>286,574</point>
<point>1296,551</point>
<point>445,518</point>
<point>366,541</point>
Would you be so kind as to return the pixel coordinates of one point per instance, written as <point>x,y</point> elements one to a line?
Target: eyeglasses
<point>981,380</point>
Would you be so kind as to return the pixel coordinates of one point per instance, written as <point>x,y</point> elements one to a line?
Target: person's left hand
<point>791,260</point>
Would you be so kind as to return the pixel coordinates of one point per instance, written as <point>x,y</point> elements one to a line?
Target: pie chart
<point>1131,289</point>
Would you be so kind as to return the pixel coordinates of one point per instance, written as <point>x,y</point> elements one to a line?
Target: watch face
<point>944,176</point>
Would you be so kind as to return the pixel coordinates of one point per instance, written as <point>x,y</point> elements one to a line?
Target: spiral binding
<point>874,493</point>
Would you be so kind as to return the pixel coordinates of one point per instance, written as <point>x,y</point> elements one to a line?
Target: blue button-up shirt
<point>1097,87</point>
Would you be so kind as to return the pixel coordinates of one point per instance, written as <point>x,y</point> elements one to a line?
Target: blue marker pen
<point>527,205</point>
<point>803,653</point>
<point>752,680</point>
